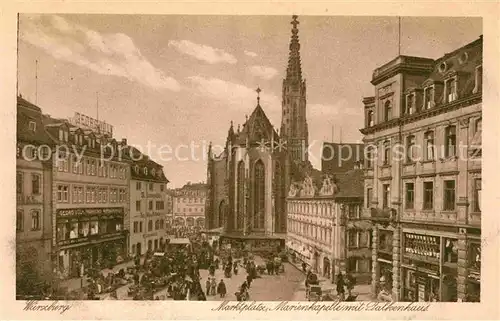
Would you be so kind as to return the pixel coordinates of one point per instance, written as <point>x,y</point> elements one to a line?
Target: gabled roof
<point>26,113</point>
<point>140,162</point>
<point>257,127</point>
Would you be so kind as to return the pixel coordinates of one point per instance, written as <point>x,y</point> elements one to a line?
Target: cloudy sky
<point>175,81</point>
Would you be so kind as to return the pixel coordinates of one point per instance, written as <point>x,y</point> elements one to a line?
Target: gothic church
<point>248,182</point>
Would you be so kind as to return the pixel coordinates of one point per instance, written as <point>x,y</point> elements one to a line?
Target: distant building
<point>149,206</point>
<point>426,205</point>
<point>341,157</point>
<point>33,200</point>
<point>189,205</point>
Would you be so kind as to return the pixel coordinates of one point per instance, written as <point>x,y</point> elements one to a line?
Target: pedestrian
<point>340,286</point>
<point>207,285</point>
<point>350,282</point>
<point>235,268</point>
<point>213,286</point>
<point>221,288</point>
<point>249,280</point>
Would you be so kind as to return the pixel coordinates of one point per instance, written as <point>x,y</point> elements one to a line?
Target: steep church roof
<point>257,127</point>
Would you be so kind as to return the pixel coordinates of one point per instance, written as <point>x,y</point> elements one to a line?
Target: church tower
<point>293,122</point>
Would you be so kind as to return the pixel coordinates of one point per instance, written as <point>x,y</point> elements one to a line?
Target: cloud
<point>202,52</point>
<point>263,72</point>
<point>237,96</point>
<point>250,53</point>
<point>105,54</point>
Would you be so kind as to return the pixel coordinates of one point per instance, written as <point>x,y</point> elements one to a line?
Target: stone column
<point>396,263</point>
<point>375,269</point>
<point>462,268</point>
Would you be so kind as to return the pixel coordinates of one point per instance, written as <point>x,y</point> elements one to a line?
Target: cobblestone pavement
<point>266,288</point>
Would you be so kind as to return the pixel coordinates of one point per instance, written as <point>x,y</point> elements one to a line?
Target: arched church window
<point>241,195</point>
<point>259,205</point>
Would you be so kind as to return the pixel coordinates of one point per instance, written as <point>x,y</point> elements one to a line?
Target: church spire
<point>294,70</point>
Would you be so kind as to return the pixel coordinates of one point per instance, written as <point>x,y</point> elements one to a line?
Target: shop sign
<point>90,211</point>
<point>109,236</point>
<point>423,245</point>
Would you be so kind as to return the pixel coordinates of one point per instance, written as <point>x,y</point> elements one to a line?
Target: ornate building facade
<point>426,205</point>
<point>326,227</point>
<point>247,183</point>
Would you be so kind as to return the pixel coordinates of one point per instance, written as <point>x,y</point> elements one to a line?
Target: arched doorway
<point>326,267</point>
<point>316,262</point>
<point>179,221</point>
<point>139,249</point>
<point>449,293</point>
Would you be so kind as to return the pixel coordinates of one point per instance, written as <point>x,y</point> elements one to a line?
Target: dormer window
<point>32,126</point>
<point>369,118</point>
<point>153,172</point>
<point>387,110</point>
<point>136,169</point>
<point>410,104</point>
<point>145,171</point>
<point>451,93</point>
<point>61,134</point>
<point>479,80</point>
<point>429,97</point>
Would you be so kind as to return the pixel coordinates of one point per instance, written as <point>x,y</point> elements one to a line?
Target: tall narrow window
<point>241,195</point>
<point>19,220</point>
<point>19,183</point>
<point>387,111</point>
<point>410,196</point>
<point>369,156</point>
<point>410,149</point>
<point>386,189</point>
<point>429,98</point>
<point>35,184</point>
<point>368,197</point>
<point>451,90</point>
<point>479,80</point>
<point>280,217</point>
<point>259,205</point>
<point>429,145</point>
<point>369,118</point>
<point>387,152</point>
<point>32,126</point>
<point>410,99</point>
<point>449,195</point>
<point>35,220</point>
<point>428,196</point>
<point>477,195</point>
<point>450,141</point>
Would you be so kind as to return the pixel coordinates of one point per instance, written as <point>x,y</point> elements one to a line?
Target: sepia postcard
<point>269,160</point>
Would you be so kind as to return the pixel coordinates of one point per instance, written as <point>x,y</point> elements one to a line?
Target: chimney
<point>124,141</point>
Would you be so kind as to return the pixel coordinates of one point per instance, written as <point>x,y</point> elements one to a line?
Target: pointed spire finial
<point>258,90</point>
<point>294,21</point>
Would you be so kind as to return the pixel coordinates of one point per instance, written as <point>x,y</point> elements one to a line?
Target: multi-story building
<point>33,199</point>
<point>341,157</point>
<point>425,201</point>
<point>326,228</point>
<point>90,186</point>
<point>189,205</point>
<point>148,205</point>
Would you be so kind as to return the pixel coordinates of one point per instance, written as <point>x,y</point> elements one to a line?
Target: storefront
<point>88,236</point>
<point>429,267</point>
<point>474,273</point>
<point>384,259</point>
